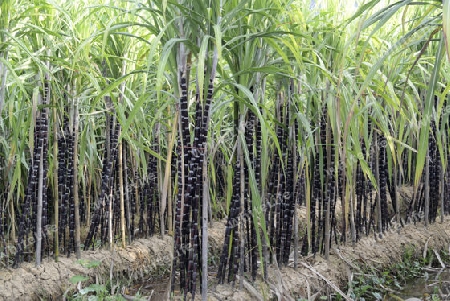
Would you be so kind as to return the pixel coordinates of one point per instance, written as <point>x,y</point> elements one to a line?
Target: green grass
<point>375,283</point>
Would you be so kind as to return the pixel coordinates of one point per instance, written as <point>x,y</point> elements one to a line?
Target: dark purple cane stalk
<point>103,202</point>
<point>315,199</point>
<point>2,225</point>
<point>231,230</point>
<point>365,193</point>
<point>151,196</point>
<point>251,230</point>
<point>142,193</point>
<point>44,142</point>
<point>323,203</point>
<point>24,222</point>
<point>36,163</point>
<point>181,234</point>
<point>177,227</point>
<point>383,183</point>
<point>290,210</point>
<point>39,155</point>
<point>447,185</point>
<point>194,187</point>
<point>271,206</point>
<point>359,200</point>
<point>435,172</point>
<point>332,192</point>
<point>70,181</point>
<point>280,206</point>
<point>134,196</point>
<point>45,200</point>
<point>62,186</point>
<point>235,256</point>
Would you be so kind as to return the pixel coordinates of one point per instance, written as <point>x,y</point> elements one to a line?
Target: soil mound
<point>143,257</point>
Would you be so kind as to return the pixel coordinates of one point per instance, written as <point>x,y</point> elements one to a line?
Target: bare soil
<point>316,276</point>
<point>51,280</point>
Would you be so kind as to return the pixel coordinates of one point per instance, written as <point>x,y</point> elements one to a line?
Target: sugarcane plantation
<point>224,150</point>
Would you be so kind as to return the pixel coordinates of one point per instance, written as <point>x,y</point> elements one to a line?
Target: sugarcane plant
<point>300,130</point>
<point>34,209</point>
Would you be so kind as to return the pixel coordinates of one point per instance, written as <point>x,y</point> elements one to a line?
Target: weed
<point>373,284</point>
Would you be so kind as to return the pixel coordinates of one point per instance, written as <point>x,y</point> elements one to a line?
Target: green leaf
<point>89,263</point>
<point>446,25</point>
<point>78,278</point>
<point>98,288</point>
<point>87,290</point>
<point>377,295</point>
<point>427,114</point>
<point>202,57</point>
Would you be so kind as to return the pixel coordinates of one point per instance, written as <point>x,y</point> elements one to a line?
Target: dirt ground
<point>147,259</point>
<point>51,279</point>
<point>316,276</point>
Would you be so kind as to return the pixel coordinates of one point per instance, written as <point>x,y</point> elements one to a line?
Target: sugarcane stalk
<point>121,195</point>
<point>446,199</point>
<point>435,167</point>
<point>427,189</point>
<point>329,174</point>
<point>296,191</point>
<point>351,194</point>
<point>231,228</point>
<point>289,190</point>
<point>307,241</point>
<point>183,138</point>
<point>61,186</point>
<point>205,203</point>
<point>121,158</point>
<point>134,198</point>
<point>110,219</point>
<point>203,164</point>
<point>383,182</point>
<point>321,190</point>
<point>55,185</point>
<point>151,196</point>
<point>45,145</point>
<point>366,192</point>
<point>179,252</point>
<point>2,230</point>
<point>166,185</point>
<point>39,205</point>
<point>102,203</point>
<point>26,205</point>
<point>71,184</point>
<point>395,196</point>
<point>272,207</point>
<point>142,190</point>
<point>12,219</point>
<point>127,192</point>
<point>441,187</point>
<point>42,144</point>
<point>314,202</point>
<point>75,185</point>
<point>242,201</point>
<point>235,247</point>
<point>377,177</point>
